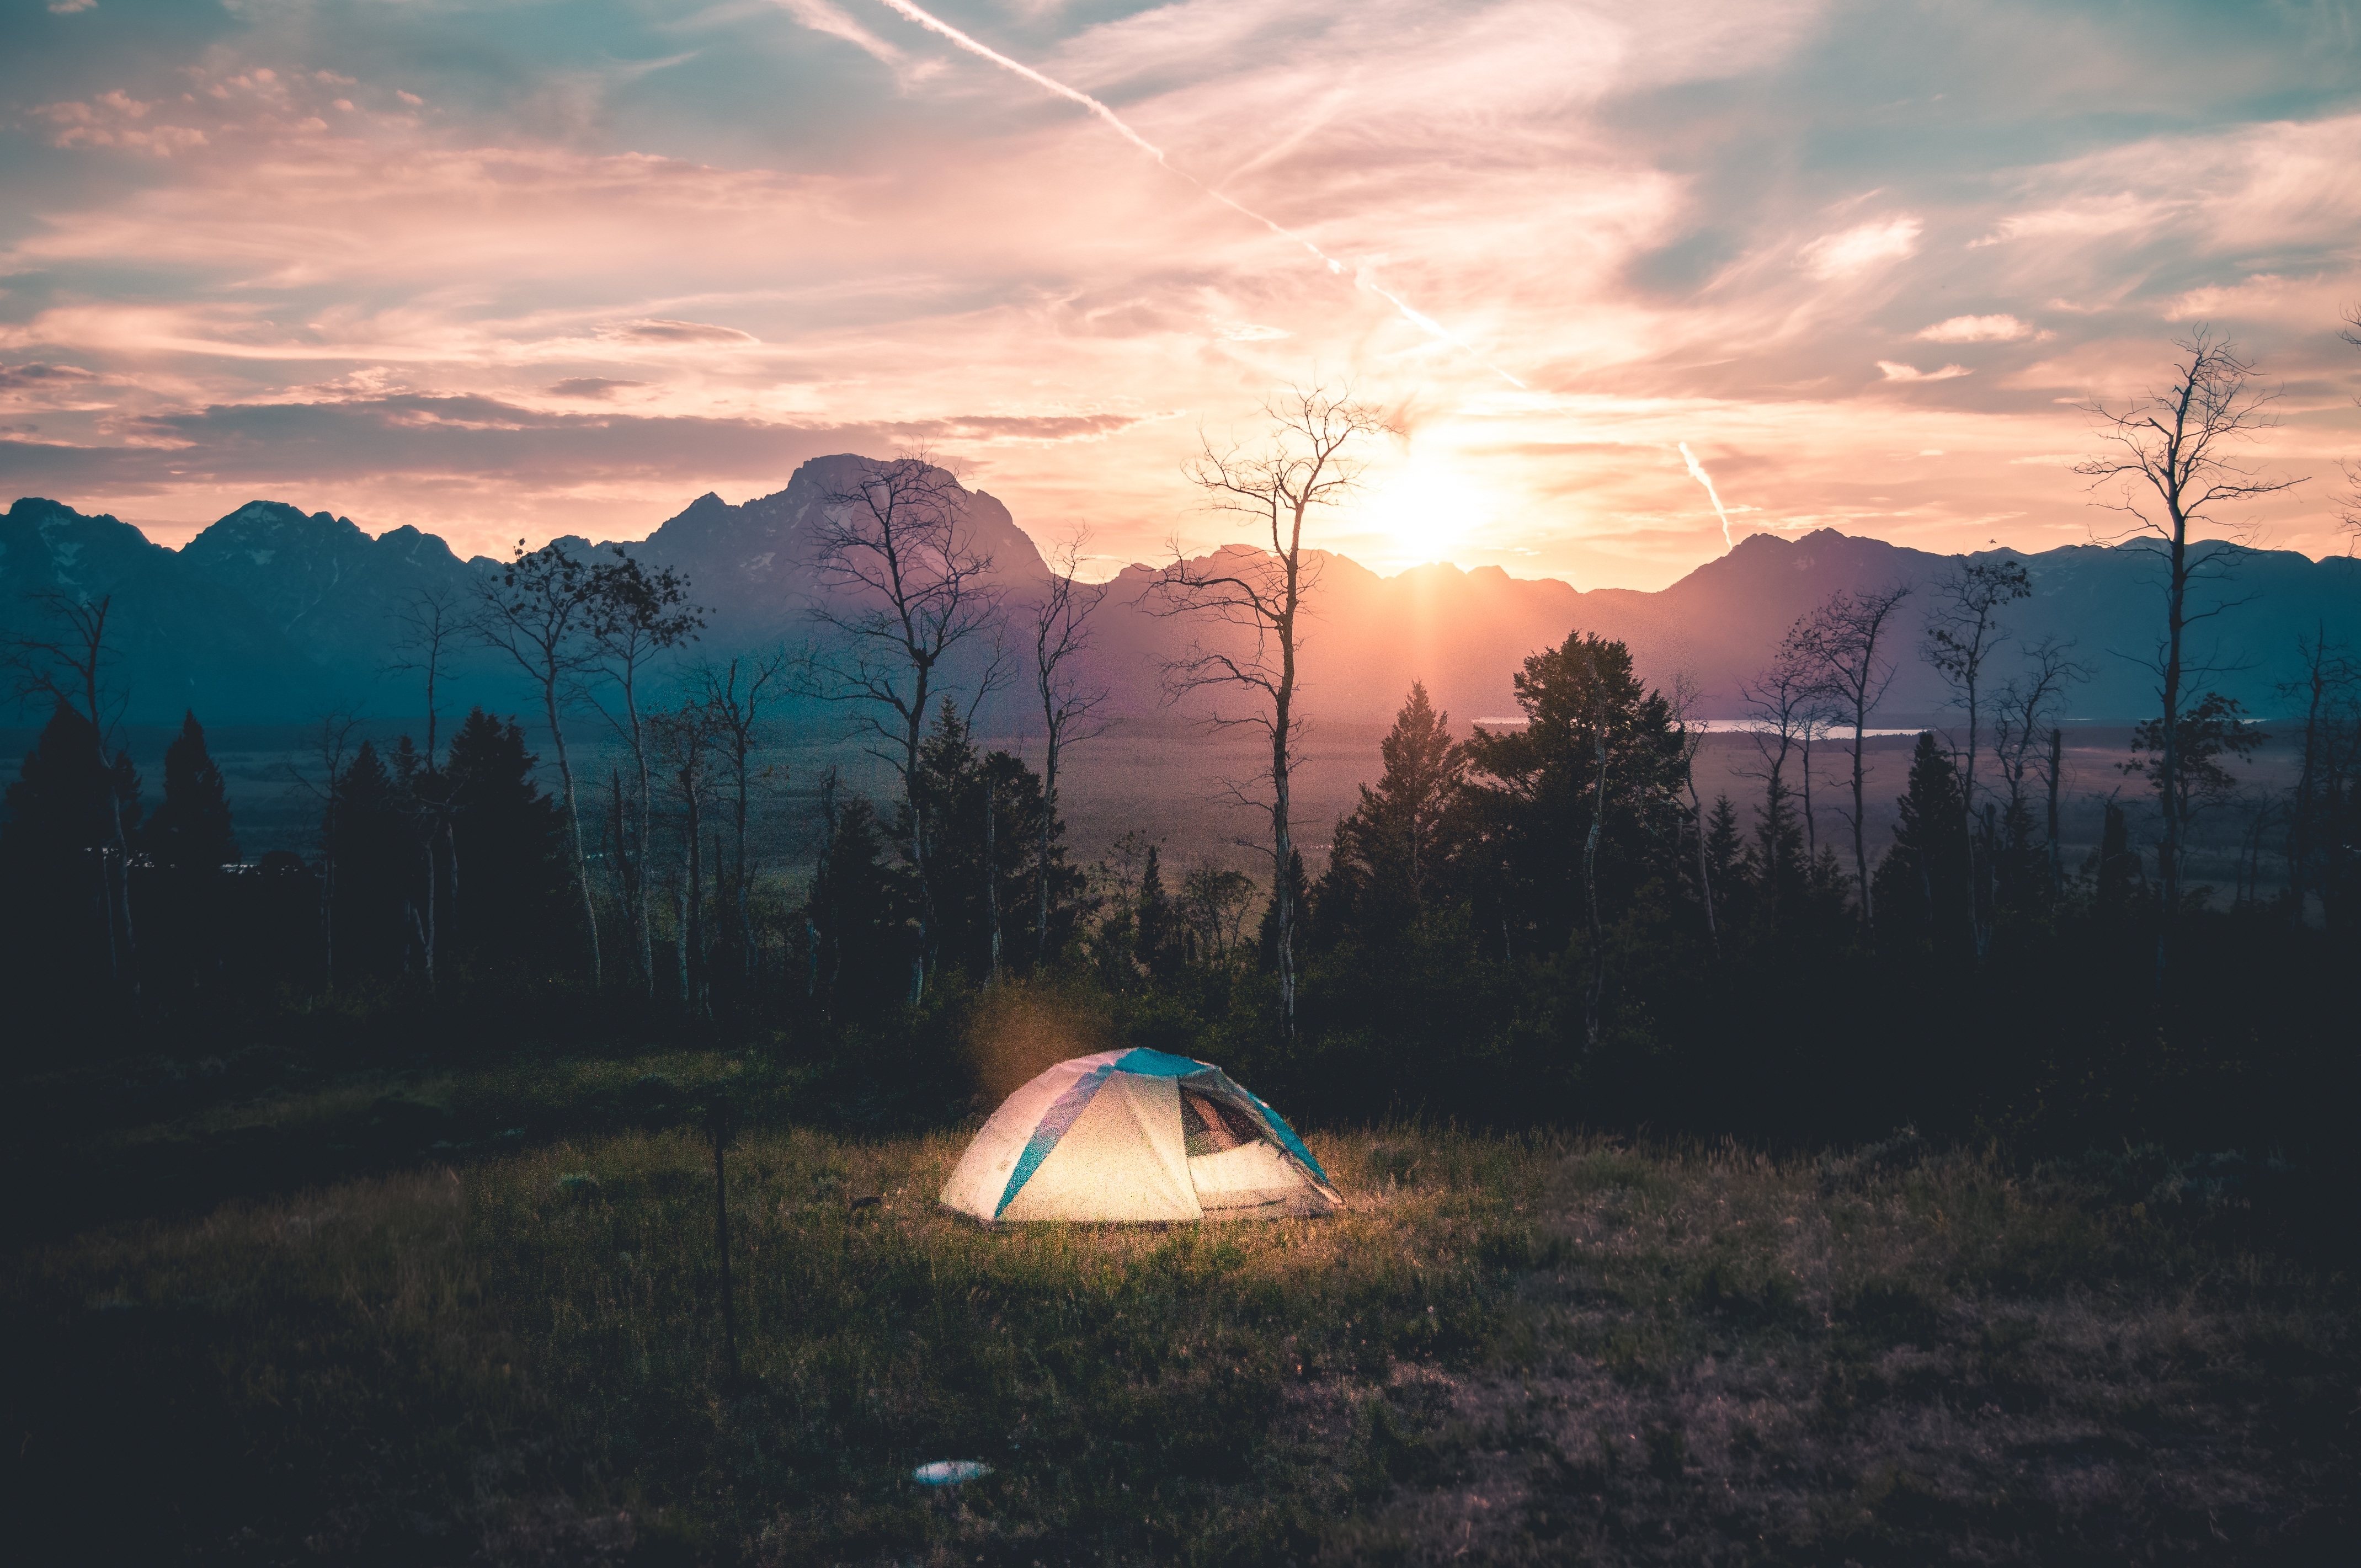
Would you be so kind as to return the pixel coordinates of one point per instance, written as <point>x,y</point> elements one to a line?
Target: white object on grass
<point>949,1471</point>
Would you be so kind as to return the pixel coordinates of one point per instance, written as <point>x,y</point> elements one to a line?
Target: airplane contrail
<point>1697,472</point>
<point>1425,323</point>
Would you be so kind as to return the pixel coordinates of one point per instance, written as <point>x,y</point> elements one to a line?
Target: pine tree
<point>2116,866</point>
<point>1781,859</point>
<point>190,831</point>
<point>1155,924</point>
<point>974,801</point>
<point>1922,874</point>
<point>1267,935</point>
<point>54,876</point>
<point>1730,860</point>
<point>1397,839</point>
<point>1340,898</point>
<point>365,836</point>
<point>860,915</point>
<point>188,842</point>
<point>513,901</point>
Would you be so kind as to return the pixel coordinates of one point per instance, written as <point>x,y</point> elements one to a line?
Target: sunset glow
<point>499,272</point>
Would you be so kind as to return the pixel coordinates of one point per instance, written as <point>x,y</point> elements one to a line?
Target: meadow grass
<point>1537,1348</point>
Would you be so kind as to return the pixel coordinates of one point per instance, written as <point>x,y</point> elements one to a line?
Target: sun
<point>1418,511</point>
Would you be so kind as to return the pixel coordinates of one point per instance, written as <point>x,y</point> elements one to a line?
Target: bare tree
<point>735,696</point>
<point>2027,707</point>
<point>636,617</point>
<point>1686,695</point>
<point>1303,463</point>
<point>2329,679</point>
<point>908,587</point>
<point>431,620</point>
<point>332,749</point>
<point>1069,706</point>
<point>1789,711</point>
<point>538,611</point>
<point>684,737</point>
<point>67,662</point>
<point>2170,457</point>
<point>1844,641</point>
<point>1963,630</point>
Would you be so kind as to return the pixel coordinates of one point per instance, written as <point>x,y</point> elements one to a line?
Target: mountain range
<point>273,615</point>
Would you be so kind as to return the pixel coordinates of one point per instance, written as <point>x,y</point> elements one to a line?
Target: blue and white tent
<point>1136,1135</point>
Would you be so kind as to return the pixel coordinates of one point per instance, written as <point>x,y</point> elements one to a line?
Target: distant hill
<point>272,615</point>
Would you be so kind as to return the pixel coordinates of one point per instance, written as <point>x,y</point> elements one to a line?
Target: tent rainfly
<point>1136,1135</point>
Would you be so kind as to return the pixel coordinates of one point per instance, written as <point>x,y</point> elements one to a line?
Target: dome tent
<point>1136,1135</point>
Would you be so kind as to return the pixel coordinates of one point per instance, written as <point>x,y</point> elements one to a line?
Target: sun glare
<point>1423,510</point>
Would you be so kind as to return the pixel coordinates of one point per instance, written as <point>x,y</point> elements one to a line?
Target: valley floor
<point>1547,1348</point>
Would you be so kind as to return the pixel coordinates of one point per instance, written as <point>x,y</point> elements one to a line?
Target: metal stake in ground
<point>719,1127</point>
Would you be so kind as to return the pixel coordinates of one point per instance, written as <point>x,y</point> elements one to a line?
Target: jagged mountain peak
<point>46,544</point>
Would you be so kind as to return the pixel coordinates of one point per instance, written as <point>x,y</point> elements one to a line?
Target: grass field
<point>1540,1348</point>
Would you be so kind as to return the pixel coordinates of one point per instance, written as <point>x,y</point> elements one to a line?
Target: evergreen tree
<point>1156,936</point>
<point>1730,860</point>
<point>1922,873</point>
<point>2115,867</point>
<point>1782,863</point>
<point>974,803</point>
<point>365,833</point>
<point>861,916</point>
<point>1267,935</point>
<point>1340,897</point>
<point>512,899</point>
<point>1596,738</point>
<point>190,831</point>
<point>1395,846</point>
<point>54,875</point>
<point>187,843</point>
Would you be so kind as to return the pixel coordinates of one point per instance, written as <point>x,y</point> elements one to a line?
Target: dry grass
<point>1901,1358</point>
<point>1508,1349</point>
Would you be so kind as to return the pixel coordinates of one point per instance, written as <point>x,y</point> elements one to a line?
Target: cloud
<point>429,436</point>
<point>42,378</point>
<point>1697,224</point>
<point>112,119</point>
<point>669,332</point>
<point>588,386</point>
<point>822,16</point>
<point>1976,329</point>
<point>1894,370</point>
<point>1865,245</point>
<point>68,7</point>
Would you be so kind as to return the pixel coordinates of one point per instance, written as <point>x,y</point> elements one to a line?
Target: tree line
<point>1554,904</point>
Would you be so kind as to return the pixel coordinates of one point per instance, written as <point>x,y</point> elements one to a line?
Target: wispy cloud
<point>1976,329</point>
<point>1862,247</point>
<point>1894,370</point>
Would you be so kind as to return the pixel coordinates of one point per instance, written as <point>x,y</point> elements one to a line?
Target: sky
<point>508,269</point>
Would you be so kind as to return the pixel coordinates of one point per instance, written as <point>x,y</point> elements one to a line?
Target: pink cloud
<point>412,297</point>
<point>1893,370</point>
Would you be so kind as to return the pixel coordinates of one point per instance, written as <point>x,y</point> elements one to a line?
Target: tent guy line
<point>1416,318</point>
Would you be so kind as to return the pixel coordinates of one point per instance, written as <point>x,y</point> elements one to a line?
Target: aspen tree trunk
<point>1590,878</point>
<point>574,820</point>
<point>992,873</point>
<point>2057,859</point>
